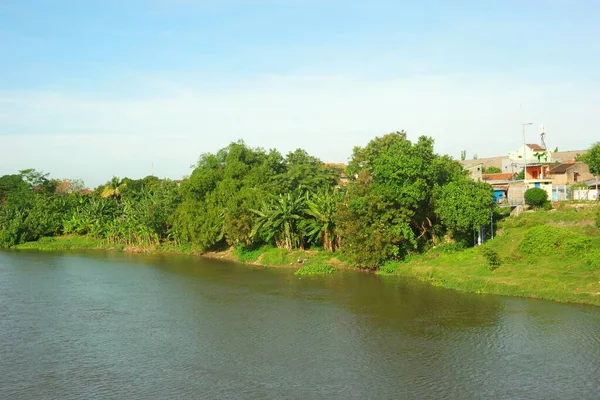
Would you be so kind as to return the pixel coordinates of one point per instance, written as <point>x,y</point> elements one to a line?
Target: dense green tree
<point>11,184</point>
<point>464,205</point>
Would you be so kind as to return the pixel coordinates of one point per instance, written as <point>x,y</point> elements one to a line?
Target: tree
<point>464,205</point>
<point>114,188</point>
<point>280,219</point>
<point>388,209</point>
<point>491,170</point>
<point>10,184</point>
<point>463,155</point>
<point>321,211</point>
<point>592,159</point>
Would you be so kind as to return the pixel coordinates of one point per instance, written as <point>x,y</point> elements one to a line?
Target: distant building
<point>342,168</point>
<point>570,173</point>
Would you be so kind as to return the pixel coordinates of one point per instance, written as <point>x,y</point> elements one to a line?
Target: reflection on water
<point>108,325</point>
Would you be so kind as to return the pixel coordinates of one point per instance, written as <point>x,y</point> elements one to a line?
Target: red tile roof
<point>534,146</point>
<point>504,176</point>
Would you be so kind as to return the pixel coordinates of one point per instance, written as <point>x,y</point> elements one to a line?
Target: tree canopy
<point>401,198</point>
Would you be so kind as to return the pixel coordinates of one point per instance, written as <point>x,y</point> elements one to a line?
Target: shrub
<point>592,261</point>
<point>492,257</point>
<point>536,197</point>
<point>546,239</point>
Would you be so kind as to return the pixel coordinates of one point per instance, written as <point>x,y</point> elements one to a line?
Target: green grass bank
<point>546,254</point>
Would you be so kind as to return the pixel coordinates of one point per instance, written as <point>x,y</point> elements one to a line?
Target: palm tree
<point>114,188</point>
<point>279,219</point>
<point>322,207</point>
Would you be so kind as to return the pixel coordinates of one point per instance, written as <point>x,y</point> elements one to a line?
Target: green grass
<point>315,269</point>
<point>551,255</point>
<point>68,242</point>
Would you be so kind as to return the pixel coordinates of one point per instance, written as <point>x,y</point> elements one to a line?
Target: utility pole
<point>525,151</point>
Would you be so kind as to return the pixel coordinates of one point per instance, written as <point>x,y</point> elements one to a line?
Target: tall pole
<point>525,151</point>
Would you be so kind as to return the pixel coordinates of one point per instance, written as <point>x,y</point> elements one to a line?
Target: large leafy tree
<point>388,210</point>
<point>464,205</point>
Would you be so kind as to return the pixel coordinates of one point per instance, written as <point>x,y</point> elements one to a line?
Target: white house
<point>529,154</point>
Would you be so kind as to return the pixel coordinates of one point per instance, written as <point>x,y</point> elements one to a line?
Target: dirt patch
<point>221,255</point>
<point>572,223</point>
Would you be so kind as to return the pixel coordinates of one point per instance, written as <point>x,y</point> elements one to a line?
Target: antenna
<point>543,136</point>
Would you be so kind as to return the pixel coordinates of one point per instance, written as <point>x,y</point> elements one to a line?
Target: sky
<point>91,89</point>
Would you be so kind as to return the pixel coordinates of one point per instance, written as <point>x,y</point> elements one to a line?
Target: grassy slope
<point>567,271</point>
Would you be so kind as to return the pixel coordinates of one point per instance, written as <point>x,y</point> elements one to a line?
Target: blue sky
<point>91,89</point>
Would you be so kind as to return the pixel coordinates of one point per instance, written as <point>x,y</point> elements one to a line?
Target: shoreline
<point>564,266</point>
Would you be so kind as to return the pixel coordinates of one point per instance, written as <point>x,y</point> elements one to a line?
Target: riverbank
<point>306,262</point>
<point>552,255</point>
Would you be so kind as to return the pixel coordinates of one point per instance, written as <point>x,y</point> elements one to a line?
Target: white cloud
<point>71,135</point>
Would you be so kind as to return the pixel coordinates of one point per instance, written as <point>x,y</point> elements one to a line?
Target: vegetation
<point>491,170</point>
<point>402,198</point>
<point>536,197</point>
<point>405,210</point>
<point>551,255</point>
<point>592,159</point>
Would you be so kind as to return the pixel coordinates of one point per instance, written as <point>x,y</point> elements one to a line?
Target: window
<point>576,177</point>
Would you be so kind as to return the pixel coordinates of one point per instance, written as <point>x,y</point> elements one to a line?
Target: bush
<point>546,239</point>
<point>536,197</point>
<point>592,261</point>
<point>492,257</point>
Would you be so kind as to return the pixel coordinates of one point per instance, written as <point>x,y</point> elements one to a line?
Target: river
<point>101,325</point>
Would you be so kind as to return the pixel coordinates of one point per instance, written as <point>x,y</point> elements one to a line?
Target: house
<point>501,183</point>
<point>570,173</point>
<point>474,169</point>
<point>527,154</point>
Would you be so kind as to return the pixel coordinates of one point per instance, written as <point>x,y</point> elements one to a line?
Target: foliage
<point>492,257</point>
<point>321,210</point>
<point>279,220</point>
<point>545,239</point>
<point>464,205</point>
<point>248,254</point>
<point>536,197</point>
<point>491,170</point>
<point>592,158</point>
<point>521,175</point>
<point>114,188</point>
<point>388,210</point>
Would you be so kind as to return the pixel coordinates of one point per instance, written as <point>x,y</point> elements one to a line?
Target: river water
<point>96,325</point>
